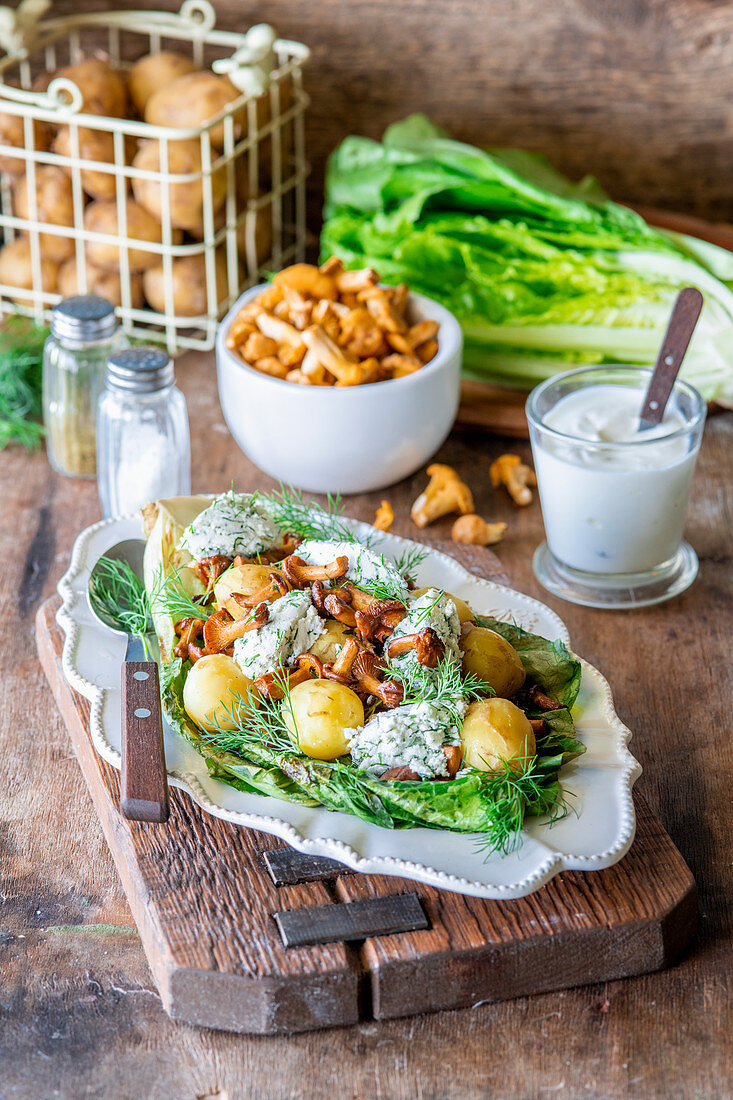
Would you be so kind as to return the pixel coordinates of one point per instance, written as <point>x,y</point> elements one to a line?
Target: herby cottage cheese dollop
<point>364,567</point>
<point>234,523</point>
<point>411,736</point>
<point>291,629</point>
<point>432,609</point>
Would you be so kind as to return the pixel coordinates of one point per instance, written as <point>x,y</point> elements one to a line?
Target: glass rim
<point>680,384</point>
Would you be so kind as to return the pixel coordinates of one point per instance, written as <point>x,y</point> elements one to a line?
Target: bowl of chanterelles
<point>332,382</point>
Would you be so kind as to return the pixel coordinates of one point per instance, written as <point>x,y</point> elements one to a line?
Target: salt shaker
<point>84,331</point>
<point>143,446</point>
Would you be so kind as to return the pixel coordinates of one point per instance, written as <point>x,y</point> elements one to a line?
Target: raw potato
<point>12,132</point>
<point>320,711</point>
<point>331,642</point>
<point>156,71</point>
<point>494,733</point>
<point>465,614</point>
<point>186,199</point>
<point>16,269</point>
<point>101,217</point>
<point>490,657</point>
<point>263,236</point>
<point>107,284</point>
<point>55,205</point>
<point>245,579</point>
<point>188,278</point>
<point>191,100</point>
<point>102,87</point>
<point>213,685</point>
<point>95,145</point>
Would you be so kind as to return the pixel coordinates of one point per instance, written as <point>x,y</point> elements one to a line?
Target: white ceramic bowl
<point>348,439</point>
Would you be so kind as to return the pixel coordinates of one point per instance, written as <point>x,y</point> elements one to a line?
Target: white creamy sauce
<point>612,509</point>
<point>234,523</point>
<point>432,609</point>
<point>409,736</point>
<point>291,629</point>
<point>364,565</point>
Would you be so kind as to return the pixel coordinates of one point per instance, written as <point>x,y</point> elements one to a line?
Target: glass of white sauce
<point>613,497</point>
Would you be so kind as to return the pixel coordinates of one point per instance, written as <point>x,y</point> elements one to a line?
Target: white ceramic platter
<point>595,835</point>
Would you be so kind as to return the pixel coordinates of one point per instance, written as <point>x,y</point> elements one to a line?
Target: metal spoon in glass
<point>681,325</point>
<point>117,598</point>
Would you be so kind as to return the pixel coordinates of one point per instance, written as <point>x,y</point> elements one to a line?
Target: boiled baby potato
<point>101,86</point>
<point>16,269</point>
<point>97,145</point>
<point>107,284</point>
<point>331,642</point>
<point>244,579</point>
<point>101,217</point>
<point>188,282</point>
<point>186,199</point>
<point>490,657</point>
<point>494,733</point>
<point>155,71</point>
<point>212,691</point>
<point>319,713</point>
<point>191,100</point>
<point>465,614</point>
<point>54,204</point>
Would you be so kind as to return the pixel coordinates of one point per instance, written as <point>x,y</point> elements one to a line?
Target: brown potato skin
<point>107,284</point>
<point>12,132</point>
<point>186,198</point>
<point>101,217</point>
<point>156,71</point>
<point>490,657</point>
<point>102,87</point>
<point>95,145</point>
<point>16,270</point>
<point>191,100</point>
<point>55,205</point>
<point>189,285</point>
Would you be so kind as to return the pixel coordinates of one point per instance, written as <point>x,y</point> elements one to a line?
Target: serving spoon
<point>685,313</point>
<point>144,787</point>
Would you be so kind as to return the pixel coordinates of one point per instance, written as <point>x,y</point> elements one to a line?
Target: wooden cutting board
<point>213,902</point>
<point>499,410</point>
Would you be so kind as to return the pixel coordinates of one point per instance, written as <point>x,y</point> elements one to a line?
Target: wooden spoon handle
<point>676,340</point>
<point>144,793</point>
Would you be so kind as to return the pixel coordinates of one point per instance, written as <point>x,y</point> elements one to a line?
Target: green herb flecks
<point>170,592</point>
<point>308,520</point>
<point>510,795</point>
<point>117,594</point>
<point>21,359</point>
<point>445,686</point>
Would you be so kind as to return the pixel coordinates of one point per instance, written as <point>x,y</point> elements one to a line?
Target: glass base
<point>616,590</point>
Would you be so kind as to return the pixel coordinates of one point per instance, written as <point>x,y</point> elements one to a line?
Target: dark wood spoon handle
<point>676,340</point>
<point>144,793</point>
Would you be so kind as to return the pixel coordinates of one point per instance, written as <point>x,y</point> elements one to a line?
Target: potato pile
<point>164,89</point>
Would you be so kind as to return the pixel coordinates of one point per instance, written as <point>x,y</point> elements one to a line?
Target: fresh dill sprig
<point>21,358</point>
<point>178,602</point>
<point>507,793</point>
<point>116,593</point>
<point>257,721</point>
<point>410,560</point>
<point>445,686</point>
<point>308,520</point>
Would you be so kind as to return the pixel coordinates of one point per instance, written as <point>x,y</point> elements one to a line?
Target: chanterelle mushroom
<point>445,493</point>
<point>426,645</point>
<point>366,671</point>
<point>509,470</point>
<point>339,362</point>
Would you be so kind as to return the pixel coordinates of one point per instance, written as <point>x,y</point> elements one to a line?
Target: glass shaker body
<point>143,446</point>
<point>84,332</point>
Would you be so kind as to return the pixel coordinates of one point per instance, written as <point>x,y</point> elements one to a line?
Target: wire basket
<point>251,173</point>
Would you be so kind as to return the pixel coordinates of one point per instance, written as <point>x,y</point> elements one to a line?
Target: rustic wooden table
<point>79,1015</point>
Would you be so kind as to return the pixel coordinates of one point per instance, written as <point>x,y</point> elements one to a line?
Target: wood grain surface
<point>79,1015</point>
<point>629,919</point>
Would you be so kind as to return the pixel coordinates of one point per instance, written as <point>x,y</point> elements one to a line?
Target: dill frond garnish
<point>178,602</point>
<point>508,794</point>
<point>117,594</point>
<point>410,560</point>
<point>308,520</point>
<point>445,686</point>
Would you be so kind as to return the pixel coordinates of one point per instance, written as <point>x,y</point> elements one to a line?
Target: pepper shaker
<point>143,448</point>
<point>84,331</point>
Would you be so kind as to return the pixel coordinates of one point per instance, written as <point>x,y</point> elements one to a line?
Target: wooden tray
<point>499,410</point>
<point>213,917</point>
